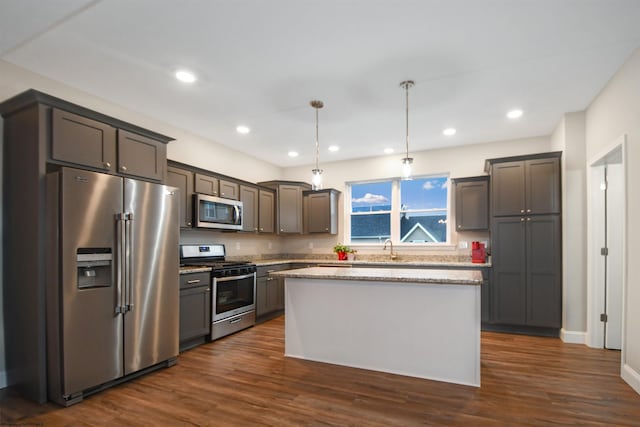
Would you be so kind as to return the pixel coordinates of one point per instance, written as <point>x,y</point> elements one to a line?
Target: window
<point>412,211</point>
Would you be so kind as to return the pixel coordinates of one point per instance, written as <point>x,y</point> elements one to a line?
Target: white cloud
<point>428,185</point>
<point>371,199</point>
<point>445,184</point>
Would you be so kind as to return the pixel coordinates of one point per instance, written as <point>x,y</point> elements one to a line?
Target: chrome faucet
<point>391,253</point>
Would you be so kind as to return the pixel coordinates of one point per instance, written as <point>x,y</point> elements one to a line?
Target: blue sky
<point>421,193</point>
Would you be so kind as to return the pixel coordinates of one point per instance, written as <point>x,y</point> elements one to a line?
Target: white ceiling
<point>259,63</point>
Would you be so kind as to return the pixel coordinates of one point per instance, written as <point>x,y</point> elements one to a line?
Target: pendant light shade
<point>316,177</point>
<point>407,161</point>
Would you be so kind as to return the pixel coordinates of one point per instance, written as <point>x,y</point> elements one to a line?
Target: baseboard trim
<point>573,337</point>
<point>631,377</point>
<point>3,379</point>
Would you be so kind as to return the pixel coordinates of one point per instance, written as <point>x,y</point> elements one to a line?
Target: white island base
<point>421,330</point>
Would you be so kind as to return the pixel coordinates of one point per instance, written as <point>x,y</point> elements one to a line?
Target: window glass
<point>423,210</point>
<point>371,212</point>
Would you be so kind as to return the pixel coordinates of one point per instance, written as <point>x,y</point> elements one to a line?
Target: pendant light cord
<point>317,143</point>
<point>406,87</point>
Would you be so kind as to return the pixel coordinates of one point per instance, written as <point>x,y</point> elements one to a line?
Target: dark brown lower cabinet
<point>269,290</point>
<point>195,316</point>
<point>527,270</point>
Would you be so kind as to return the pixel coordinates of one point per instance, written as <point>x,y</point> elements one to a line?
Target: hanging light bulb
<point>407,161</point>
<point>316,177</point>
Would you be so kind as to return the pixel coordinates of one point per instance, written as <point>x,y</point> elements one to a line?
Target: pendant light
<point>407,161</point>
<point>316,178</point>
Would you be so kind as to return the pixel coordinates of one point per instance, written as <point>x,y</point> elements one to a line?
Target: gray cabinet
<point>321,211</point>
<point>183,180</point>
<point>269,290</point>
<point>266,211</point>
<point>472,203</point>
<point>141,157</point>
<point>206,184</point>
<point>250,206</point>
<point>526,240</point>
<point>96,145</point>
<point>289,210</point>
<point>229,190</point>
<point>526,187</point>
<point>195,309</point>
<point>82,141</point>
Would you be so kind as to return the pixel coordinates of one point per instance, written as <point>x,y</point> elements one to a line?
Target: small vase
<point>342,256</point>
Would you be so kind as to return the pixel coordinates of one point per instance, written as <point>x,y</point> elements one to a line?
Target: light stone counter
<point>355,263</point>
<point>417,276</point>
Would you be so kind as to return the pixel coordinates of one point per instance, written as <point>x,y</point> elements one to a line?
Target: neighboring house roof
<point>415,228</point>
<point>418,234</point>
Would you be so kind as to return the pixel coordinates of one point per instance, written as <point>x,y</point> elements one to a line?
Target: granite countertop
<point>447,277</point>
<point>191,269</point>
<point>355,263</point>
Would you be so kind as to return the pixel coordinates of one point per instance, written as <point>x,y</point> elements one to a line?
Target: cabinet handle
<point>521,210</point>
<point>528,219</point>
<point>521,219</point>
<point>326,229</point>
<point>189,223</point>
<point>269,279</point>
<point>107,165</point>
<point>191,282</point>
<point>123,168</point>
<point>208,290</point>
<point>261,229</point>
<point>215,193</point>
<point>255,229</point>
<point>282,229</point>
<point>528,210</point>
<point>222,194</point>
<point>459,226</point>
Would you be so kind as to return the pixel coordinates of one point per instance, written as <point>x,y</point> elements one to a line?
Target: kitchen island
<point>417,322</point>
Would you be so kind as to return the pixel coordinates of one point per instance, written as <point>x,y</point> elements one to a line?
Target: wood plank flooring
<point>244,379</point>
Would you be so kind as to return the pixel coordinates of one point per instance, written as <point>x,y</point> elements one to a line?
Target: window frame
<point>395,213</point>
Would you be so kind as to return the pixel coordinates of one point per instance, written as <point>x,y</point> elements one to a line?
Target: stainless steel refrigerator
<point>112,291</point>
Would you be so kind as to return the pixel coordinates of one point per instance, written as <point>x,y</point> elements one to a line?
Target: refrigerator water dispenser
<point>94,267</point>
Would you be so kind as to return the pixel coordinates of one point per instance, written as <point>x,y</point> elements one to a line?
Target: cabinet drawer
<point>194,279</point>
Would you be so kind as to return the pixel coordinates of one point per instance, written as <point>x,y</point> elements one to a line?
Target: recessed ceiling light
<point>514,114</point>
<point>388,150</point>
<point>185,76</point>
<point>449,131</point>
<point>334,148</point>
<point>293,154</point>
<point>243,129</point>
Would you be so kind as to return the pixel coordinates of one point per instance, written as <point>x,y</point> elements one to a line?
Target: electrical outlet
<point>463,244</point>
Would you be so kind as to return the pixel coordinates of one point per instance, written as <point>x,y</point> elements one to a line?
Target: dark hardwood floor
<point>244,379</point>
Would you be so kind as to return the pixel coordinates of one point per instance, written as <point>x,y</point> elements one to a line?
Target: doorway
<point>607,190</point>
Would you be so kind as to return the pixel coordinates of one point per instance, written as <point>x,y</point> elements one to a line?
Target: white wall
<point>616,111</point>
<point>569,137</point>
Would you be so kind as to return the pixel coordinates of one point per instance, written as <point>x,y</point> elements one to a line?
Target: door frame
<point>595,288</point>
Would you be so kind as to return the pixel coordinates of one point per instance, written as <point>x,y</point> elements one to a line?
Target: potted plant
<point>351,256</point>
<point>341,250</point>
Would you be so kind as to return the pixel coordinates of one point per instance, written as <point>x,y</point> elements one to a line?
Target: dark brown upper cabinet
<point>229,190</point>
<point>83,141</point>
<point>321,208</point>
<point>289,205</point>
<point>525,187</point>
<point>206,184</point>
<point>266,210</point>
<point>183,180</point>
<point>249,199</point>
<point>93,144</point>
<point>472,203</point>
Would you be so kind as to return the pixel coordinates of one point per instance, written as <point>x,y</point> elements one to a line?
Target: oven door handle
<point>227,279</point>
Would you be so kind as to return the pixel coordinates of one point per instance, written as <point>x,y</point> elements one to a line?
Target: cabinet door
<point>544,271</point>
<point>140,156</point>
<point>195,312</point>
<point>319,212</point>
<point>279,293</point>
<point>83,141</point>
<point>508,283</point>
<point>249,199</point>
<point>266,211</point>
<point>206,184</point>
<point>229,190</point>
<point>290,209</point>
<point>508,188</point>
<point>472,205</point>
<point>183,179</point>
<point>543,186</point>
<point>273,294</point>
<point>261,296</point>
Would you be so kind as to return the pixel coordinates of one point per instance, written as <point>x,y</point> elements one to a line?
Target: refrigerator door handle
<point>120,307</point>
<point>128,261</point>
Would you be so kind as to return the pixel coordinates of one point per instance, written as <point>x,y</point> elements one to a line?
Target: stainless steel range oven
<point>233,284</point>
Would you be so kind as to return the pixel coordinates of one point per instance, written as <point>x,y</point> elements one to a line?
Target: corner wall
<point>614,112</point>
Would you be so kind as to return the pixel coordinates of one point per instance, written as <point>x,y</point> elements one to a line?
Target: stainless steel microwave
<point>216,212</point>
